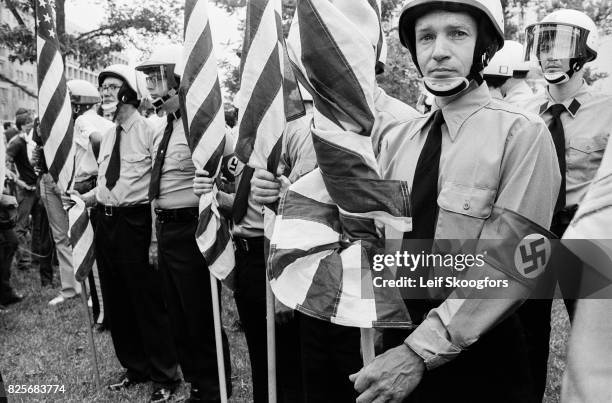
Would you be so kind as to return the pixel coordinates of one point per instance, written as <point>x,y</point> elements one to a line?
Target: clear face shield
<point>559,49</point>
<point>156,81</point>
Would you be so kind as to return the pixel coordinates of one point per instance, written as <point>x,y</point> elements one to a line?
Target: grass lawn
<point>43,345</point>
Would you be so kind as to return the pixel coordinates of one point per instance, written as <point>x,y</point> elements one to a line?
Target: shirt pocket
<point>463,209</point>
<point>134,166</point>
<point>584,156</point>
<point>179,161</point>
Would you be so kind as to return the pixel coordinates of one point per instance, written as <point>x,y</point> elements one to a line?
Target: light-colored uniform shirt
<point>178,171</point>
<point>298,158</point>
<point>388,110</point>
<point>519,95</point>
<point>137,154</point>
<point>493,154</point>
<point>589,368</point>
<point>587,125</point>
<point>86,125</point>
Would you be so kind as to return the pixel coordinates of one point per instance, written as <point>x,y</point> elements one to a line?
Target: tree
<point>125,23</point>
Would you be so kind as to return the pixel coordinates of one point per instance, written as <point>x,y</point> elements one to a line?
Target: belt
<point>115,211</point>
<point>177,215</point>
<point>249,244</point>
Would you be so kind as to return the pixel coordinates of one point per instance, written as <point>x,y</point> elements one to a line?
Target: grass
<point>43,345</point>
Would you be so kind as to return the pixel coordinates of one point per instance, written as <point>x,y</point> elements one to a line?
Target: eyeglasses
<point>154,78</point>
<point>111,87</point>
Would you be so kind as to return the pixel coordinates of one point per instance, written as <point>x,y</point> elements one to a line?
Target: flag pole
<point>271,335</point>
<point>214,291</point>
<point>92,346</point>
<point>367,345</point>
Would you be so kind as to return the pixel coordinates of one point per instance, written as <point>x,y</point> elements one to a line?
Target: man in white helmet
<point>477,168</point>
<point>140,326</point>
<point>186,281</point>
<point>579,120</point>
<point>505,75</point>
<point>89,128</point>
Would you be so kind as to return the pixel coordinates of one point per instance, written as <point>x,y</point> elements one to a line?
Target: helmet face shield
<point>555,42</point>
<point>156,80</point>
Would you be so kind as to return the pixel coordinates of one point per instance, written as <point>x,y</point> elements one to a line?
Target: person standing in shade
<point>186,279</point>
<point>125,248</point>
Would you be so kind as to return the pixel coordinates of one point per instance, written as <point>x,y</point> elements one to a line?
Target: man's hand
<point>283,314</point>
<point>8,201</point>
<point>391,377</point>
<point>153,258</point>
<point>202,183</point>
<point>266,188</point>
<point>89,198</point>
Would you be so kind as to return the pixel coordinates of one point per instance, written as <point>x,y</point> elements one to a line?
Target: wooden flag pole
<point>271,333</point>
<point>367,345</point>
<point>92,346</point>
<point>214,291</point>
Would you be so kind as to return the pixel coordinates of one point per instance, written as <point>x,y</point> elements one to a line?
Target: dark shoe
<point>124,382</point>
<point>162,394</point>
<point>196,395</point>
<point>12,299</point>
<point>100,327</point>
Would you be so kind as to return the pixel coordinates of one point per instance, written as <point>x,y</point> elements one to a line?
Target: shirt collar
<point>461,107</point>
<point>127,125</point>
<point>572,104</point>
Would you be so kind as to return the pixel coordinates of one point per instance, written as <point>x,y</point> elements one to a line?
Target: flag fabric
<point>54,109</point>
<point>203,118</point>
<point>81,235</point>
<point>328,222</point>
<point>266,87</point>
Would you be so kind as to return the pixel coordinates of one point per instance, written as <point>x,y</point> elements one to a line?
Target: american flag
<point>81,235</point>
<point>327,221</point>
<point>269,95</point>
<point>204,121</point>
<point>54,110</point>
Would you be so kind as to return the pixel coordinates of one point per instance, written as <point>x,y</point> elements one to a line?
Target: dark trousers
<point>250,297</point>
<point>42,242</point>
<point>330,353</point>
<point>140,327</point>
<point>188,297</point>
<point>8,246</point>
<point>3,398</point>
<point>494,369</point>
<point>27,200</point>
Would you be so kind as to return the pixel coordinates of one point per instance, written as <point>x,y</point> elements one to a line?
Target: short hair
<point>7,125</point>
<point>23,119</point>
<point>496,81</point>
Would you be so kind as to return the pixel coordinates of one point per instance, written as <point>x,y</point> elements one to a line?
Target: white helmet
<point>507,61</point>
<point>492,39</point>
<point>83,93</point>
<point>563,35</point>
<point>161,65</point>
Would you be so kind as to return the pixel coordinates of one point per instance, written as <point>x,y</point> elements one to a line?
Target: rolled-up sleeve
<point>529,186</point>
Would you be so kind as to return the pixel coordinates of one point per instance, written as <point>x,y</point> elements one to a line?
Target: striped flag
<point>203,118</point>
<point>268,89</point>
<point>327,223</point>
<point>54,110</point>
<point>81,235</point>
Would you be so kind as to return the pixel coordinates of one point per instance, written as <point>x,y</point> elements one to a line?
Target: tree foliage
<point>134,23</point>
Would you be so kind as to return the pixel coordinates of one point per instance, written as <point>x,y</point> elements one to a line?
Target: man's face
<point>110,88</point>
<point>445,43</point>
<point>156,84</point>
<point>550,64</point>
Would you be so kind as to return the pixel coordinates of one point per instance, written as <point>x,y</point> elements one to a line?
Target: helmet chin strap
<point>563,77</point>
<point>158,103</point>
<point>446,87</point>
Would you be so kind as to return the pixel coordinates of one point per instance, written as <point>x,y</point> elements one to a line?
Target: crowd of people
<point>480,139</point>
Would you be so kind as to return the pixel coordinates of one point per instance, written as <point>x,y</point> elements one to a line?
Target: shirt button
<point>466,205</point>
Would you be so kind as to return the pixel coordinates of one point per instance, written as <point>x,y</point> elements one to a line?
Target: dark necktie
<point>558,135</point>
<point>156,173</point>
<point>424,196</point>
<point>114,164</point>
<point>241,201</point>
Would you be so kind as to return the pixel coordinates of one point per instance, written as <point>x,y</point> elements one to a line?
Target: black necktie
<point>558,135</point>
<point>156,173</point>
<point>424,195</point>
<point>114,164</point>
<point>241,201</point>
